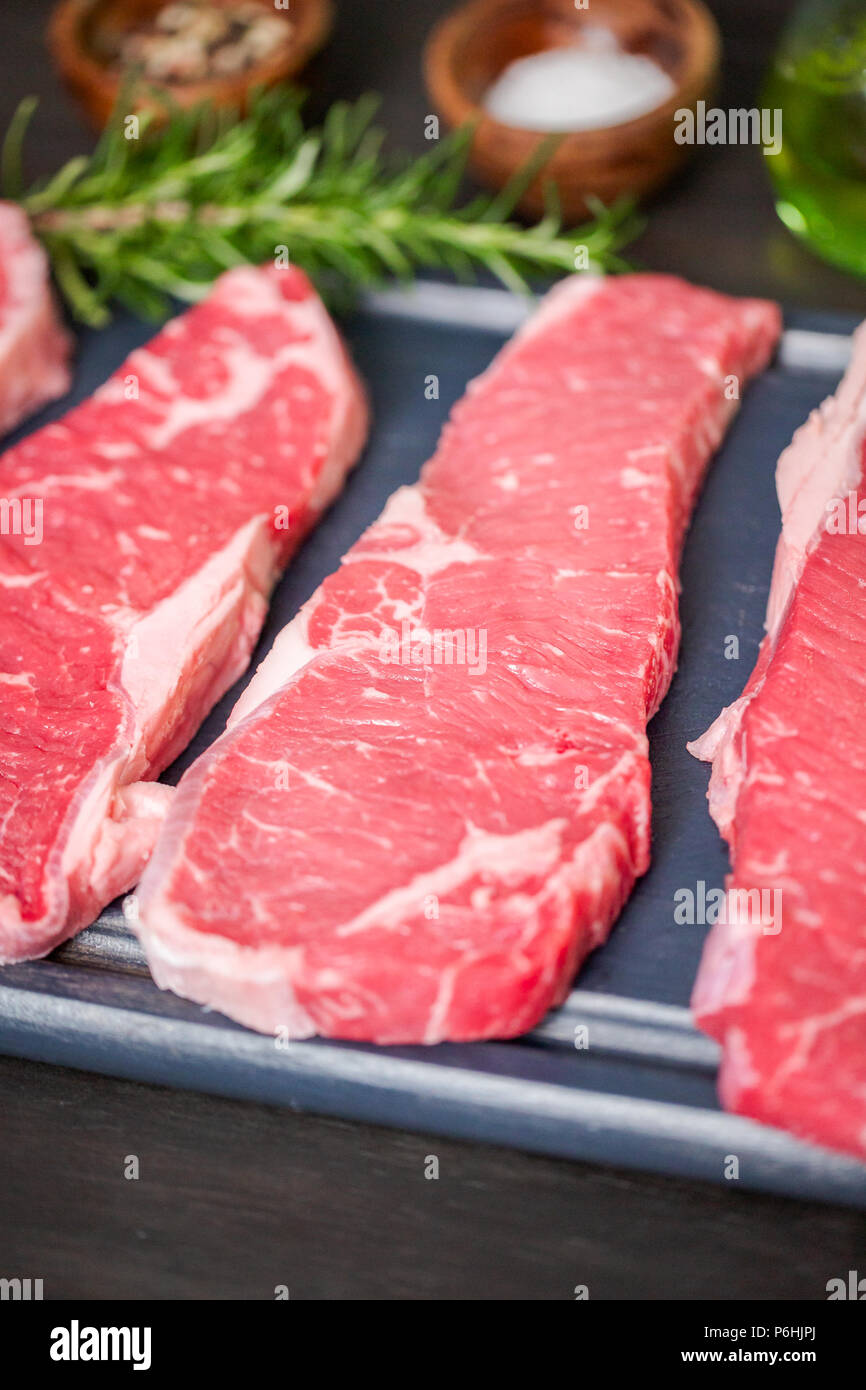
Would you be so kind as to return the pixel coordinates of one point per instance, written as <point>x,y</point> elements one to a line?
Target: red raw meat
<point>34,349</point>
<point>784,990</point>
<point>170,501</point>
<point>387,846</point>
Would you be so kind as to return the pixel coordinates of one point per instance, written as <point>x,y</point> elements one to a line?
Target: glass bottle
<point>818,81</point>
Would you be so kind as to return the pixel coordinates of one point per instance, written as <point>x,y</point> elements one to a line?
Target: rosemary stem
<point>148,219</point>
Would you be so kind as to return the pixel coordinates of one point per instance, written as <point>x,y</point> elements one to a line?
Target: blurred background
<point>714,223</point>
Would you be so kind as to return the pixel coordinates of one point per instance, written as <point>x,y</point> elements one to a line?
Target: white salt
<point>582,87</point>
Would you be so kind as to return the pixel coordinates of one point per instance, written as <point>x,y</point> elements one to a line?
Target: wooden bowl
<point>468,50</point>
<point>82,35</point>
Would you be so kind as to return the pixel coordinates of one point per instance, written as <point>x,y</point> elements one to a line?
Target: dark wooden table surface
<point>233,1199</point>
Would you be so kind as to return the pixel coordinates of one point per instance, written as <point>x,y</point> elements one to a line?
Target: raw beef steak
<point>782,983</point>
<point>34,349</point>
<point>153,521</point>
<point>433,798</point>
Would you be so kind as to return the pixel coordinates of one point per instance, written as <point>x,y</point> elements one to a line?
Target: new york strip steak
<point>154,520</point>
<point>34,348</point>
<point>433,798</point>
<point>782,983</point>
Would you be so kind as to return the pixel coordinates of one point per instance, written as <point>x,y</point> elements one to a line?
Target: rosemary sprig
<point>143,220</point>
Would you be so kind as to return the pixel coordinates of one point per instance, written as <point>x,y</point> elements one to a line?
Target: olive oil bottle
<point>818,81</point>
